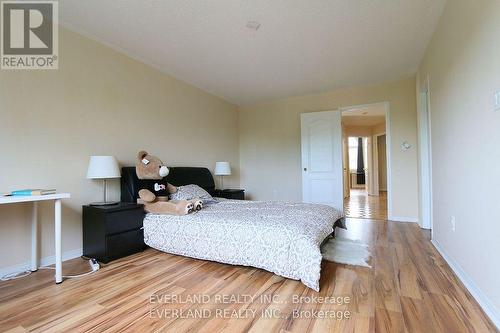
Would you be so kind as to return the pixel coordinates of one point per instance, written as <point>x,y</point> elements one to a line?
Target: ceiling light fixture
<point>254,25</point>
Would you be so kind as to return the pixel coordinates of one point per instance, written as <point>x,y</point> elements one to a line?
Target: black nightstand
<point>112,232</point>
<point>234,194</point>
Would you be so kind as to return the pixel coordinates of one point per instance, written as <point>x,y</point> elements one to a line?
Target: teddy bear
<point>155,190</point>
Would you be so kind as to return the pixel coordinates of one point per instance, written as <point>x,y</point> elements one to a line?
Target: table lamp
<point>103,167</point>
<point>222,169</point>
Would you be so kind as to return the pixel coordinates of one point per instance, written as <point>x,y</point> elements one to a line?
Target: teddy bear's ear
<point>141,155</point>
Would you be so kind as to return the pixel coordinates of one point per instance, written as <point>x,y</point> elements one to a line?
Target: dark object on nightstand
<point>112,232</point>
<point>234,194</point>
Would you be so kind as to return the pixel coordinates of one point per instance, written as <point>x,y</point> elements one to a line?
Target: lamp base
<point>103,203</point>
<point>221,177</point>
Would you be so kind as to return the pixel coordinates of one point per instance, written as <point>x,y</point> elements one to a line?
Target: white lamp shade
<point>101,167</point>
<point>222,169</point>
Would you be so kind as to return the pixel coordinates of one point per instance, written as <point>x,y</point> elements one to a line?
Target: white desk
<point>34,226</point>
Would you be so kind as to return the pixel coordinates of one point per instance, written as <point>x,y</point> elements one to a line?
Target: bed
<point>280,237</point>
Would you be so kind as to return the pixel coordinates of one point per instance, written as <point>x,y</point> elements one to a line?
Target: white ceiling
<point>301,47</point>
<point>363,120</point>
<point>369,110</point>
<point>365,116</point>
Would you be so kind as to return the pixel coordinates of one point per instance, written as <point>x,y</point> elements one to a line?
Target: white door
<point>322,158</point>
<point>345,159</point>
<point>425,163</point>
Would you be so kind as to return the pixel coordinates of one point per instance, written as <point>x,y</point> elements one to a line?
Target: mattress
<point>280,237</point>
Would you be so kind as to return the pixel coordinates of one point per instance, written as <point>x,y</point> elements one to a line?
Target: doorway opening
<point>365,161</point>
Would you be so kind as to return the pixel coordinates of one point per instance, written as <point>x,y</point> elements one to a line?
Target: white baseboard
<point>486,304</point>
<point>403,219</point>
<point>45,261</point>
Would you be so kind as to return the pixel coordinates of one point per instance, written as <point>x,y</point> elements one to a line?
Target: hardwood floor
<point>408,289</point>
<point>360,205</point>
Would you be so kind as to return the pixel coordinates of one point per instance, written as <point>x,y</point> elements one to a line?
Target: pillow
<point>192,191</point>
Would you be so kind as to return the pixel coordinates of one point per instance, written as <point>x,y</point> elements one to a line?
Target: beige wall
<point>463,65</point>
<point>270,142</point>
<point>98,102</point>
<point>379,128</point>
<point>382,162</point>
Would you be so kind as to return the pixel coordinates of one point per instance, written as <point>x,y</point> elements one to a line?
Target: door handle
<point>305,169</point>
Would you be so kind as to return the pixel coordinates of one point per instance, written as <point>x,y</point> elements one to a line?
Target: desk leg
<point>34,237</point>
<point>58,254</point>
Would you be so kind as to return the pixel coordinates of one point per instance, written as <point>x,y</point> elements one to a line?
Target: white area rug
<point>346,251</point>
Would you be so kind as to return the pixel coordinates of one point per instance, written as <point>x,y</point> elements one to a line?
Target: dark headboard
<point>178,176</point>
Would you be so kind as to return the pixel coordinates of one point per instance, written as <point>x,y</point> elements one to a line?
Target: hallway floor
<point>361,205</point>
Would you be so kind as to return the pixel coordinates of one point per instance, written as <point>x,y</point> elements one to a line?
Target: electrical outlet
<point>453,221</point>
<point>94,265</point>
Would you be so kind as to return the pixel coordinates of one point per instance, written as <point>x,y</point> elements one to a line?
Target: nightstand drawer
<point>114,231</point>
<point>125,220</point>
<point>123,244</point>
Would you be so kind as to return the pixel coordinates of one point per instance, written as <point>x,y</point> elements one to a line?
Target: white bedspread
<point>283,238</point>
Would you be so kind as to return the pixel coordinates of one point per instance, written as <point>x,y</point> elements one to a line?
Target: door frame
<point>424,126</point>
<point>339,157</point>
<point>376,183</point>
<point>346,179</point>
<point>370,167</point>
<point>387,108</point>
